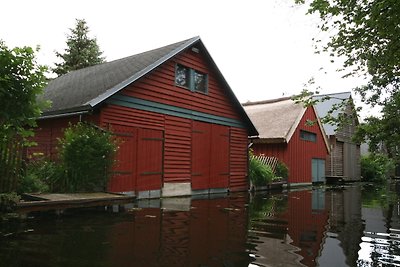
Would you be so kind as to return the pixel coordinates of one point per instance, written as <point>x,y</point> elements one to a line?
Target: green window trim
<point>191,79</point>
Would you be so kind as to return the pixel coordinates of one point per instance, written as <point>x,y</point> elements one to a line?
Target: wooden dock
<point>35,202</point>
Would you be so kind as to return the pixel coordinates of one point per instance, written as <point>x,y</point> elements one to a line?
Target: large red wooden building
<point>286,133</point>
<point>182,130</point>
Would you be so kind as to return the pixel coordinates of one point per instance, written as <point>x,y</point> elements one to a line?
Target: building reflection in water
<point>380,244</point>
<point>344,226</point>
<point>209,233</point>
<point>307,228</point>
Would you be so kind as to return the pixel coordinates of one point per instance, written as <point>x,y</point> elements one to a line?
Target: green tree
<point>81,52</point>
<point>383,134</point>
<point>367,34</point>
<point>21,81</point>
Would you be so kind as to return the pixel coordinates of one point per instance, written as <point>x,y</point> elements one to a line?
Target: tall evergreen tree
<point>81,52</point>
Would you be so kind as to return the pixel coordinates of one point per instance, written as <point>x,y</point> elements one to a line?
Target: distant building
<point>344,160</point>
<point>285,133</point>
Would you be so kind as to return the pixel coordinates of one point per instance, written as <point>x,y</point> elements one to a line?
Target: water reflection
<point>381,239</point>
<point>338,226</point>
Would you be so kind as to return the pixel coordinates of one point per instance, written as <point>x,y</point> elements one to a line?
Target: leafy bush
<point>87,154</point>
<point>376,167</point>
<point>8,201</point>
<point>41,175</point>
<point>282,170</point>
<point>259,173</point>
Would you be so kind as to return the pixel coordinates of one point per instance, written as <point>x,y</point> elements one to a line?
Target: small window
<point>182,76</point>
<point>191,79</point>
<point>200,82</point>
<point>308,136</point>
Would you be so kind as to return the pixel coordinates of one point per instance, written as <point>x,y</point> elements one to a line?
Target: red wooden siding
<point>49,131</point>
<point>219,157</point>
<point>177,149</point>
<point>238,156</point>
<point>149,159</point>
<point>124,172</point>
<point>139,162</point>
<point>201,147</point>
<point>210,156</point>
<point>298,153</point>
<point>117,115</point>
<point>159,86</point>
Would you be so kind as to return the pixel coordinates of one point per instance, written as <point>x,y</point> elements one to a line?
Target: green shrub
<point>40,177</point>
<point>8,201</point>
<point>376,167</point>
<point>259,173</point>
<point>282,170</point>
<point>86,153</point>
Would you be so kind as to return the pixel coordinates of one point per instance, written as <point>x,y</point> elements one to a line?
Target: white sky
<point>263,48</point>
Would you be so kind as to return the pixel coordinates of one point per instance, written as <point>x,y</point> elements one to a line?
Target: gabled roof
<point>277,119</point>
<point>85,88</point>
<point>82,90</point>
<point>325,105</point>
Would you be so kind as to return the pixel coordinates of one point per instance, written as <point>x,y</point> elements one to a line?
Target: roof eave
<point>66,112</point>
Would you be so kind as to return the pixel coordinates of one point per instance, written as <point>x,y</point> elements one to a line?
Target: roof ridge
<point>130,56</point>
<point>267,101</point>
<point>345,92</point>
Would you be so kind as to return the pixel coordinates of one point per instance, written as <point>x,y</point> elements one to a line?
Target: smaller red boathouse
<point>286,132</point>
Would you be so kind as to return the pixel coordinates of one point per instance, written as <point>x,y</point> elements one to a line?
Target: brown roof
<point>276,120</point>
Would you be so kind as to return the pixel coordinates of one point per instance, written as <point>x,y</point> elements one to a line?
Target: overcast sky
<point>263,48</point>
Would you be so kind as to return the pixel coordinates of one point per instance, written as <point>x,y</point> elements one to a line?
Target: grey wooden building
<point>343,163</point>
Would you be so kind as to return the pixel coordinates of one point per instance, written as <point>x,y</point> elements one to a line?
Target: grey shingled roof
<point>85,88</point>
<point>324,106</point>
<point>276,120</point>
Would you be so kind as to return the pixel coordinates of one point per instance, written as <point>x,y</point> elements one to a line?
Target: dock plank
<point>51,201</point>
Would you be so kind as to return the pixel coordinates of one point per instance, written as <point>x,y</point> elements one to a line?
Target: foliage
<point>367,35</point>
<point>383,134</point>
<point>342,112</point>
<point>81,52</point>
<point>259,173</point>
<point>282,170</point>
<point>86,153</point>
<point>376,167</point>
<point>261,207</point>
<point>41,176</point>
<point>8,201</point>
<point>21,81</point>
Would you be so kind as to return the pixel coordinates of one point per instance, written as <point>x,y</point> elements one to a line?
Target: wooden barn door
<point>149,159</point>
<point>219,174</point>
<point>123,178</point>
<point>201,144</point>
<point>210,156</point>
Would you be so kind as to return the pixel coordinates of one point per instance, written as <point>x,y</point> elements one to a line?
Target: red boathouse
<point>182,129</point>
<point>287,134</point>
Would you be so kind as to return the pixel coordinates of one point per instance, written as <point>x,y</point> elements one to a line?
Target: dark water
<point>343,226</point>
